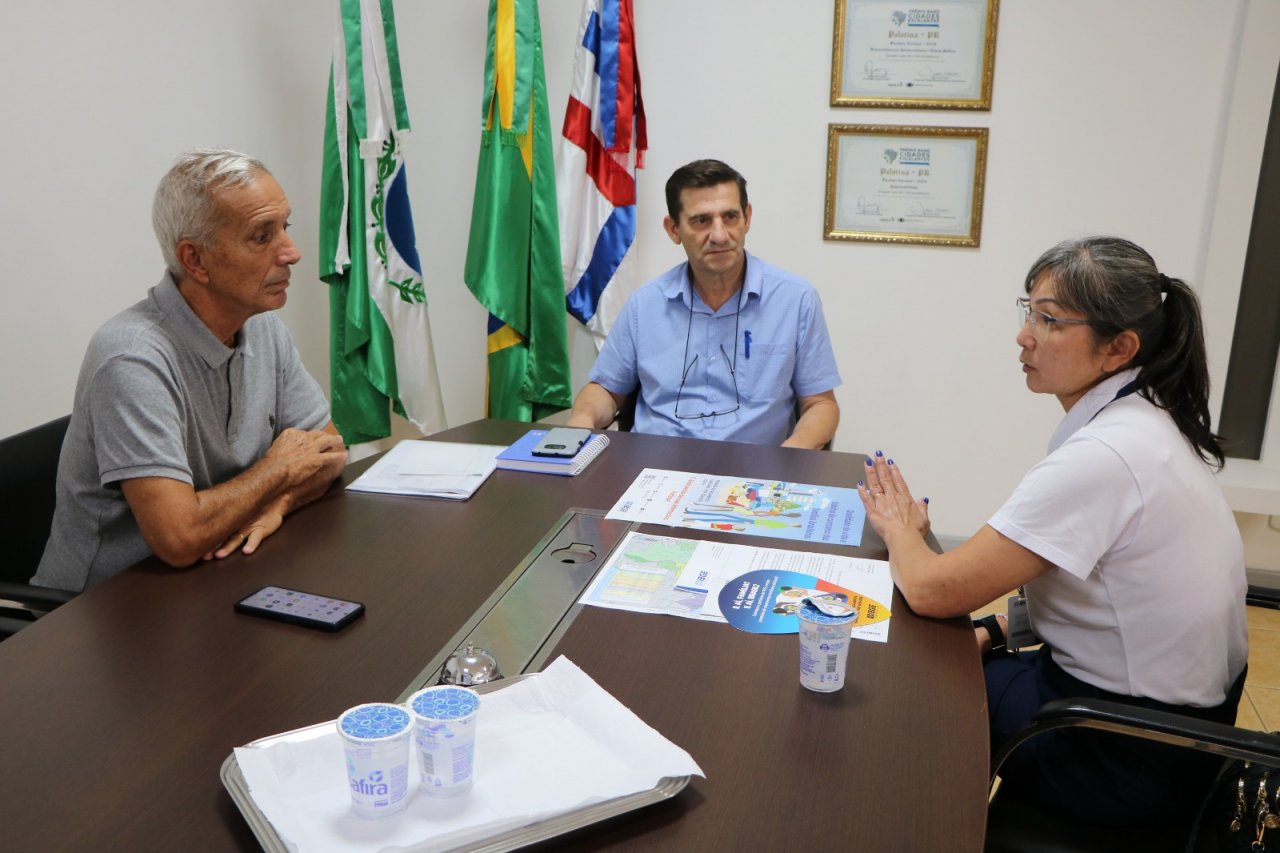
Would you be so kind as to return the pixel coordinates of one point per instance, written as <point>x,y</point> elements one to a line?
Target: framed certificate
<point>890,184</point>
<point>939,55</point>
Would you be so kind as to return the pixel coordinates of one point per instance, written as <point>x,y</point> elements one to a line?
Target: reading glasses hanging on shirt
<point>689,365</point>
<point>733,373</point>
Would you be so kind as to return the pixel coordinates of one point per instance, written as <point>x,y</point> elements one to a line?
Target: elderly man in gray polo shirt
<point>195,427</point>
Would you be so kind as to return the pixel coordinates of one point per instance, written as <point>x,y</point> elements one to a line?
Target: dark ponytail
<point>1116,285</point>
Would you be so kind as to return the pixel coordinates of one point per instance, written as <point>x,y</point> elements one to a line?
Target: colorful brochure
<point>765,601</point>
<point>750,506</point>
<point>746,585</point>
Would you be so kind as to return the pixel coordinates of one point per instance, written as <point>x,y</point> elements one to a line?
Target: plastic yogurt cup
<point>375,738</point>
<point>444,720</point>
<point>824,643</point>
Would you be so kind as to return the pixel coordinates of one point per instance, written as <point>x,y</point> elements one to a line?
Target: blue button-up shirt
<point>775,350</point>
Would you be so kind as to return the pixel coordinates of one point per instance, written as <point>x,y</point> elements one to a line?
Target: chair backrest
<point>626,417</point>
<point>28,475</point>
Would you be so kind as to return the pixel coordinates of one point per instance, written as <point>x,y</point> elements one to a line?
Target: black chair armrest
<point>36,597</point>
<point>625,417</point>
<point>1203,735</point>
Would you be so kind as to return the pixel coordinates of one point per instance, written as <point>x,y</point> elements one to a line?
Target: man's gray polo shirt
<point>160,396</point>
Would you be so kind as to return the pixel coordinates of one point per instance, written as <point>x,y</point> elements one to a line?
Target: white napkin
<point>544,746</point>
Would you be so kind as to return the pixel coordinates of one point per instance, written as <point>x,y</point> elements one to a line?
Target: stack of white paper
<point>434,469</point>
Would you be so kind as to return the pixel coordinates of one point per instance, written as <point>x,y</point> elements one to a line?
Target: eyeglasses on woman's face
<point>1042,324</point>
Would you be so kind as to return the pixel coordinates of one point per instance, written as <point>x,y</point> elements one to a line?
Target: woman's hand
<point>888,501</point>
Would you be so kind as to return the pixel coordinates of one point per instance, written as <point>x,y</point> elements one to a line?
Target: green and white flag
<point>379,335</point>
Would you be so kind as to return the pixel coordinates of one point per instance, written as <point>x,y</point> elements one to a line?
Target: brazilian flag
<point>513,254</point>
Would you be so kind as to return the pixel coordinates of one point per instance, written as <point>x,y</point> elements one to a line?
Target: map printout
<point>685,577</point>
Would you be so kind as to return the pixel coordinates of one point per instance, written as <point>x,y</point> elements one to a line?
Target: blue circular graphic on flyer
<point>765,601</point>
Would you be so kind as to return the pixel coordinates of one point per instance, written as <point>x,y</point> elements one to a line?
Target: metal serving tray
<point>512,839</point>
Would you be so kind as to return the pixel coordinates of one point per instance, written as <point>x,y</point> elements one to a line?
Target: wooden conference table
<point>117,710</point>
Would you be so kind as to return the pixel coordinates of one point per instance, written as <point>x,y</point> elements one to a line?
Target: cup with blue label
<point>444,719</point>
<point>825,624</point>
<point>375,739</point>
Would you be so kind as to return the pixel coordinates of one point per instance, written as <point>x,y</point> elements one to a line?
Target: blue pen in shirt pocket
<point>766,369</point>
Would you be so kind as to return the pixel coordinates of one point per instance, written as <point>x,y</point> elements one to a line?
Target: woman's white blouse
<point>1148,595</point>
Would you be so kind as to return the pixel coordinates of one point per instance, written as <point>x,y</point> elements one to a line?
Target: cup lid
<point>826,612</point>
<point>373,721</point>
<point>447,702</point>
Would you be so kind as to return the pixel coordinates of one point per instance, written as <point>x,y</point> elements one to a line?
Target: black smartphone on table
<point>301,608</point>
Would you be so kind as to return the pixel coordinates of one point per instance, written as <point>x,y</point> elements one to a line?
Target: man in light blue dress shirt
<point>723,346</point>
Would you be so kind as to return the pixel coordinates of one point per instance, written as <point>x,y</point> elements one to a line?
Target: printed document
<point>745,505</point>
<point>434,469</point>
<point>685,577</point>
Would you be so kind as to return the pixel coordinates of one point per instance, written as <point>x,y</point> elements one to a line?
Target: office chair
<point>1015,827</point>
<point>626,416</point>
<point>28,473</point>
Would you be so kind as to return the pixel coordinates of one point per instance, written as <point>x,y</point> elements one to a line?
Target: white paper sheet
<point>544,746</point>
<point>434,469</point>
<point>745,506</point>
<point>684,577</point>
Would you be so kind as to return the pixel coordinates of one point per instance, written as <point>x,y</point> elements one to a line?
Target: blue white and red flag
<point>603,145</point>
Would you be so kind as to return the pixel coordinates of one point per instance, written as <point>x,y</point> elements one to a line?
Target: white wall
<point>1107,117</point>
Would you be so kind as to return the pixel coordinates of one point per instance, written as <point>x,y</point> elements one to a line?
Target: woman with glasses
<point>1129,556</point>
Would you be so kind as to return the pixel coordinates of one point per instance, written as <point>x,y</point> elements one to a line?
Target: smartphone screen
<point>300,608</point>
<point>562,441</point>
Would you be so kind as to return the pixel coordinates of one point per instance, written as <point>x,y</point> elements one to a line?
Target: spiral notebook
<point>519,456</point>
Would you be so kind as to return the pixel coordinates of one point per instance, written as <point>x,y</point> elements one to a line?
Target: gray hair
<point>185,207</point>
<point>1112,281</point>
<point>1117,286</point>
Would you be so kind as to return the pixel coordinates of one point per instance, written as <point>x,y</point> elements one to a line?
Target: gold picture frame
<point>905,184</point>
<point>888,55</point>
